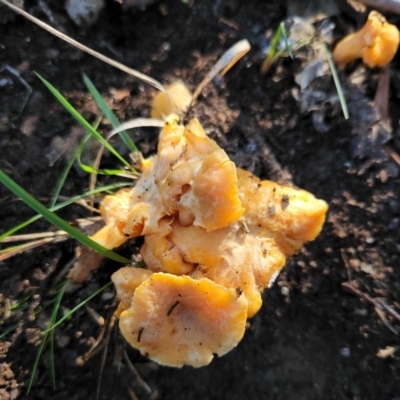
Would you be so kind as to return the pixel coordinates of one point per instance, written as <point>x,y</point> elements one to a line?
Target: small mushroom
<point>177,320</point>
<point>162,106</point>
<point>111,208</point>
<point>376,43</point>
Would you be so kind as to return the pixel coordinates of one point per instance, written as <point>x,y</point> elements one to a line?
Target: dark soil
<point>312,339</point>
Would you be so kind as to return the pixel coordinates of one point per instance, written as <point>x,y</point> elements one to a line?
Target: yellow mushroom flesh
<point>376,43</point>
<point>177,320</point>
<point>208,227</point>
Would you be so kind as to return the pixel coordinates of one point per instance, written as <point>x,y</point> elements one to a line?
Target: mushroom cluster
<point>215,236</point>
<point>376,43</point>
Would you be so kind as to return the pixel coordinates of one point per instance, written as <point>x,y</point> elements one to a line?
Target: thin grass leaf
<point>51,355</point>
<point>67,168</point>
<point>336,79</point>
<point>91,170</point>
<point>62,205</point>
<point>80,119</point>
<point>285,39</point>
<point>75,309</point>
<point>56,220</point>
<point>20,304</point>
<point>15,250</point>
<point>45,337</point>
<point>93,177</point>
<point>104,171</point>
<point>80,46</point>
<point>34,236</point>
<point>222,66</point>
<point>28,90</point>
<point>8,330</point>
<point>61,181</point>
<point>273,51</point>
<point>108,113</point>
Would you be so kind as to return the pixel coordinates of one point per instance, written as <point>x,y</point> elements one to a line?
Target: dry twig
<point>384,5</point>
<point>379,305</point>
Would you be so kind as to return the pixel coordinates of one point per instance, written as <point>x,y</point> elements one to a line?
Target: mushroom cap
<point>162,106</point>
<point>231,257</point>
<point>376,43</point>
<point>292,216</point>
<point>384,48</point>
<point>177,320</point>
<point>213,201</point>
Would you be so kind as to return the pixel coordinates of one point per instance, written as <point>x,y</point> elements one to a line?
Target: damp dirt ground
<point>314,338</point>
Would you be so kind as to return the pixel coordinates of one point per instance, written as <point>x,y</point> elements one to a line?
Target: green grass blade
<point>69,165</point>
<point>53,318</point>
<point>89,169</point>
<point>62,205</point>
<point>103,171</point>
<point>51,356</point>
<point>273,52</point>
<point>337,82</point>
<point>80,119</point>
<point>108,113</point>
<point>36,363</point>
<point>61,181</point>
<point>75,309</point>
<point>285,39</point>
<point>56,220</point>
<point>8,330</point>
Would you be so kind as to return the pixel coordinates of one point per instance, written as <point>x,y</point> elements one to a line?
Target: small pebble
<point>394,224</point>
<point>354,263</point>
<point>367,268</point>
<point>345,352</point>
<point>285,290</point>
<point>105,296</point>
<point>361,312</point>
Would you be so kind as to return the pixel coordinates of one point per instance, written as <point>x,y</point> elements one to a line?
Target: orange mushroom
<point>215,237</point>
<point>111,209</point>
<point>177,320</point>
<point>191,176</point>
<point>246,254</point>
<point>376,43</point>
<point>162,106</point>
